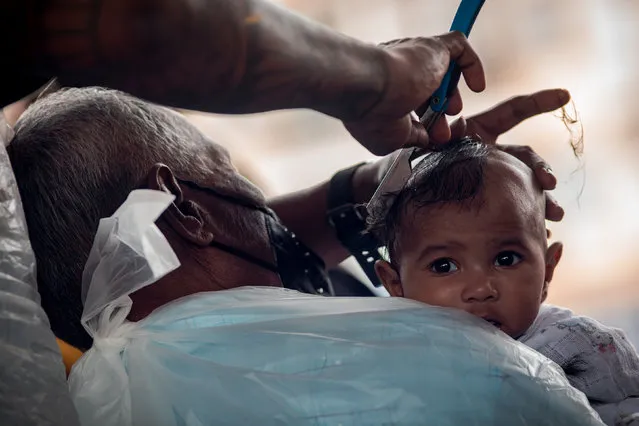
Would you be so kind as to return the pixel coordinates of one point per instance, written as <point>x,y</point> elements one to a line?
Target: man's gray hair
<point>77,154</point>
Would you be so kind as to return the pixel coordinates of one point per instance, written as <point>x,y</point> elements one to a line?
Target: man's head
<point>78,153</point>
<point>467,231</point>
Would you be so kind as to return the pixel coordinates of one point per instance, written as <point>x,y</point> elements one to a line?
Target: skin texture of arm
<point>223,56</point>
<point>234,56</point>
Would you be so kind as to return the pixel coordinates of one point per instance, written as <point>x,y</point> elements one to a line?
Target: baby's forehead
<point>511,185</point>
<point>510,169</point>
<point>509,199</point>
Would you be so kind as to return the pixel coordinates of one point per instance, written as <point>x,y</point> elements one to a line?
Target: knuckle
<point>518,98</point>
<point>530,154</point>
<point>516,150</point>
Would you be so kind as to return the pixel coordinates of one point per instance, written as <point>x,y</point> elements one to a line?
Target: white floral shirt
<point>598,360</point>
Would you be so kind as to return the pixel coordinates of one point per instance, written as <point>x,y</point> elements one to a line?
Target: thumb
<point>458,128</point>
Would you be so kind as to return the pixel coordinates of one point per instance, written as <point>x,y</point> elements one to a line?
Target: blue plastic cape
<point>33,390</point>
<point>271,356</point>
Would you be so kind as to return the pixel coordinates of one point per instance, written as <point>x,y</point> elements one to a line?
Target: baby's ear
<point>553,256</point>
<point>389,277</point>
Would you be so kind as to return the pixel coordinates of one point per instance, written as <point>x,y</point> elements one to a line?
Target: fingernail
<point>548,170</point>
<point>564,96</point>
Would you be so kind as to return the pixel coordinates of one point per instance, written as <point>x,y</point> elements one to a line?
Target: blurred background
<point>587,46</point>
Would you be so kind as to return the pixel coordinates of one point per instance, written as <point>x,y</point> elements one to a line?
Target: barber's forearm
<point>225,56</point>
<point>304,212</point>
<point>293,62</point>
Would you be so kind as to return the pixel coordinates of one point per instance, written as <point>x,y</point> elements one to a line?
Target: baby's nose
<point>480,289</point>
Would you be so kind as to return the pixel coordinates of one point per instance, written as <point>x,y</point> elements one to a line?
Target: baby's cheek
<point>529,281</point>
<point>526,319</point>
<point>430,290</point>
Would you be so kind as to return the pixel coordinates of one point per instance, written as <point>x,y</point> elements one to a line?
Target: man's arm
<point>226,56</point>
<point>304,212</point>
<point>233,56</point>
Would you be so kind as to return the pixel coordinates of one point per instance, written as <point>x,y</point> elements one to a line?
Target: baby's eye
<point>507,258</point>
<point>443,266</point>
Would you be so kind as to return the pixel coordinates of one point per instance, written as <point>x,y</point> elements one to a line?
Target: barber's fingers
<point>543,174</point>
<point>466,58</point>
<point>460,51</point>
<point>554,212</point>
<point>418,135</point>
<point>440,132</point>
<point>455,103</point>
<point>528,156</point>
<point>384,137</point>
<point>458,128</point>
<point>508,114</point>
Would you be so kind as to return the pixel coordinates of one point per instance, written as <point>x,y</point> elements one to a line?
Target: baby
<point>467,231</point>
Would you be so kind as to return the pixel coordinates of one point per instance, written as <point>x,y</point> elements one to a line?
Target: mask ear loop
<point>50,87</point>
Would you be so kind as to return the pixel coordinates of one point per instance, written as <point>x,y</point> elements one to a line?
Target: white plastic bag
<point>33,390</point>
<point>271,356</point>
<point>129,252</point>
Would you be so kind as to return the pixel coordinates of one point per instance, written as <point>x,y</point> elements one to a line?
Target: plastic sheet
<point>271,356</point>
<point>33,389</point>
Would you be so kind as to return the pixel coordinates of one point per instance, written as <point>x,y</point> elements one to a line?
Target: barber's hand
<point>489,125</point>
<point>415,69</point>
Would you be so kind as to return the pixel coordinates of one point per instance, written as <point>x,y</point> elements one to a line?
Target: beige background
<point>590,47</point>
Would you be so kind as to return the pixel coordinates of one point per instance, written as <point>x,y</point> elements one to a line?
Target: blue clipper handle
<point>464,19</point>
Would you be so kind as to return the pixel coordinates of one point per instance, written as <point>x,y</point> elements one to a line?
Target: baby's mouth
<point>493,322</point>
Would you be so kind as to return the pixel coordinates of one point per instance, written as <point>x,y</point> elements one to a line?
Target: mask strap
<point>229,198</point>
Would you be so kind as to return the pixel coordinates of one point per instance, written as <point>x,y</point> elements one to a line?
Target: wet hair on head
<point>452,173</point>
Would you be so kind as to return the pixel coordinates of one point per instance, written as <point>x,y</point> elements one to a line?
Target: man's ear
<point>553,256</point>
<point>185,216</point>
<point>389,277</point>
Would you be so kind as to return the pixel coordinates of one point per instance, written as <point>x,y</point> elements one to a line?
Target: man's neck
<point>202,269</point>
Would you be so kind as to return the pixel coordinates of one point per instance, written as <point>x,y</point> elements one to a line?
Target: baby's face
<point>489,260</point>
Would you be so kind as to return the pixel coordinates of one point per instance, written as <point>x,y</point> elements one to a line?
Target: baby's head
<point>467,231</point>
